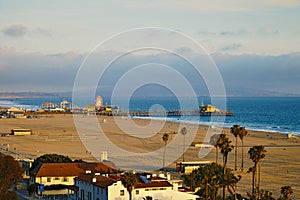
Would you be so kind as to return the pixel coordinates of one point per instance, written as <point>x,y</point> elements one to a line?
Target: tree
<point>50,158</point>
<point>183,132</point>
<point>209,179</point>
<point>165,138</point>
<point>225,147</point>
<point>230,181</point>
<point>10,174</point>
<point>128,180</point>
<point>243,132</point>
<point>266,195</point>
<point>215,140</point>
<point>235,130</point>
<point>147,198</point>
<point>286,192</point>
<point>257,153</point>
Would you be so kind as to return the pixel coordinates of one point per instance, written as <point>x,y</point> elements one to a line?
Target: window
<point>56,178</point>
<point>137,192</point>
<point>48,179</point>
<point>65,179</point>
<point>82,194</point>
<point>89,196</point>
<point>121,192</point>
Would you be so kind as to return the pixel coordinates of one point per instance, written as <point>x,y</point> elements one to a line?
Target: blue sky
<point>32,30</point>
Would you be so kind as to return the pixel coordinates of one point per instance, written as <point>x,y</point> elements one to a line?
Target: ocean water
<point>276,114</point>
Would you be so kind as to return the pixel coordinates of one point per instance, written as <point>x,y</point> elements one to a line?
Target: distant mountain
<point>150,92</point>
<point>16,95</point>
<point>247,92</point>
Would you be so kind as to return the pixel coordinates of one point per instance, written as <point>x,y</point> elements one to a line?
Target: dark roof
<point>101,181</point>
<point>58,170</point>
<point>153,184</point>
<point>69,169</point>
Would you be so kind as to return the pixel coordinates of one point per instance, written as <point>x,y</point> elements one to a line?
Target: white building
<point>98,187</point>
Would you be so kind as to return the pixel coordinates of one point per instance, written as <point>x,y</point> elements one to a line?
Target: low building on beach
<point>186,167</point>
<point>21,131</point>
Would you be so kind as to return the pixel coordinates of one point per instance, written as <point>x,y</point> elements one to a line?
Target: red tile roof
<point>58,170</point>
<point>101,181</point>
<point>70,169</point>
<point>153,184</point>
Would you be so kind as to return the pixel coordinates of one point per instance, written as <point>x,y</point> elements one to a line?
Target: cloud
<point>240,32</point>
<point>43,32</point>
<point>15,30</point>
<point>232,47</point>
<point>183,50</point>
<point>267,31</point>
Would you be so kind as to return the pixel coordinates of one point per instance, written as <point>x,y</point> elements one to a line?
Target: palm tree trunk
<point>183,147</point>
<point>258,181</point>
<point>164,159</point>
<point>235,154</point>
<point>130,195</point>
<point>224,172</point>
<point>242,167</point>
<point>217,153</point>
<point>206,189</point>
<point>254,180</point>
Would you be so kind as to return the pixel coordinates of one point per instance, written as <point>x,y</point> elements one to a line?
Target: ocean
<point>275,114</point>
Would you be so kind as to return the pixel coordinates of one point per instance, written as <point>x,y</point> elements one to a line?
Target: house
<point>188,166</point>
<point>97,186</point>
<point>58,178</point>
<point>19,131</point>
<point>16,112</point>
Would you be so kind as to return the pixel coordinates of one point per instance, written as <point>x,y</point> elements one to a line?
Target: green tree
<point>128,180</point>
<point>257,153</point>
<point>165,138</point>
<point>147,198</point>
<point>183,132</point>
<point>266,195</point>
<point>286,192</point>
<point>209,179</point>
<point>225,147</point>
<point>50,158</point>
<point>10,174</point>
<point>235,130</point>
<point>243,132</point>
<point>230,181</point>
<point>215,140</point>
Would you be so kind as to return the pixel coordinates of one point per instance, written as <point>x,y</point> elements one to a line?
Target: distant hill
<point>17,95</point>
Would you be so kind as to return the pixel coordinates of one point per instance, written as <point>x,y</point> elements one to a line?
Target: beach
<point>58,134</point>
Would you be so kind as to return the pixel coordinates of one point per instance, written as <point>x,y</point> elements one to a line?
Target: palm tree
<point>209,179</point>
<point>286,192</point>
<point>257,153</point>
<point>230,181</point>
<point>243,132</point>
<point>235,130</point>
<point>214,140</point>
<point>165,138</point>
<point>183,132</point>
<point>128,180</point>
<point>225,149</point>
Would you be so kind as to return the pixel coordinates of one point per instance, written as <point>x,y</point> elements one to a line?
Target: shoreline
<point>217,125</point>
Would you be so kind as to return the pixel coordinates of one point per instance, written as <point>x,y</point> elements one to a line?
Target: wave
<point>224,124</point>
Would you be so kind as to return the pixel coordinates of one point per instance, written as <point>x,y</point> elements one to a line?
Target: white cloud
<point>15,30</point>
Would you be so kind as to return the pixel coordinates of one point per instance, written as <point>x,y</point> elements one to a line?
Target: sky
<point>257,41</point>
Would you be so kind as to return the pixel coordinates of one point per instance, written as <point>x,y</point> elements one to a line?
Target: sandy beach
<point>58,134</point>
